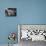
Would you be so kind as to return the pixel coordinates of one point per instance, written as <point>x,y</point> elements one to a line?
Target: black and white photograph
<point>10,12</point>
<point>30,34</point>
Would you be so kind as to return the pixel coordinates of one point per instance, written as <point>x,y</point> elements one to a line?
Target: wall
<point>28,12</point>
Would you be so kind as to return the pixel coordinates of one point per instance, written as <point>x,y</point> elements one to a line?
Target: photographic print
<point>29,34</point>
<point>10,12</point>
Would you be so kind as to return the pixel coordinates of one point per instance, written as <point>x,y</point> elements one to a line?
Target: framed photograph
<point>10,12</point>
<point>32,32</point>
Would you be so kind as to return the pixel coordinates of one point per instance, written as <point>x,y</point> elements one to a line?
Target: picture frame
<point>10,12</point>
